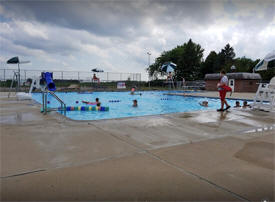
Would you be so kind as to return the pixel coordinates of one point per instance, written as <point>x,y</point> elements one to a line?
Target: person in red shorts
<point>223,88</point>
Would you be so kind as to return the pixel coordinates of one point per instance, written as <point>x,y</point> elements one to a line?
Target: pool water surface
<point>120,104</point>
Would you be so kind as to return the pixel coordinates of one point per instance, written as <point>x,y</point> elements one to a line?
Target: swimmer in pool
<point>133,91</point>
<point>245,105</point>
<point>135,104</point>
<point>204,104</point>
<point>237,104</point>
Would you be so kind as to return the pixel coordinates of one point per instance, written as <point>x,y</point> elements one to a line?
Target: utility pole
<point>149,54</point>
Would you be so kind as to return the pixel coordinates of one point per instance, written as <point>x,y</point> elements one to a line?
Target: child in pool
<point>245,105</point>
<point>204,104</point>
<point>133,91</point>
<point>237,104</point>
<point>135,103</point>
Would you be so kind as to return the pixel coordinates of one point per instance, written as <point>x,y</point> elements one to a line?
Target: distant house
<point>239,81</point>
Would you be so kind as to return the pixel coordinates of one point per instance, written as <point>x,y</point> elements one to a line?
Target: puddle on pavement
<point>186,115</point>
<point>18,117</point>
<point>157,122</point>
<point>245,117</point>
<point>213,116</point>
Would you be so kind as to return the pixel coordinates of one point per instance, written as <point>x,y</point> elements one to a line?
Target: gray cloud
<point>121,32</point>
<point>112,18</point>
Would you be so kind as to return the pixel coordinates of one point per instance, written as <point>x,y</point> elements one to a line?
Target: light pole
<point>149,54</point>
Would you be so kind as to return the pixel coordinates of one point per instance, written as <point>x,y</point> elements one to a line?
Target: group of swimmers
<point>245,105</point>
<point>98,104</point>
<point>237,104</point>
<point>135,103</point>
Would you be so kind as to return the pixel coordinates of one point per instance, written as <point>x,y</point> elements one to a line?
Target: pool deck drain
<point>183,156</point>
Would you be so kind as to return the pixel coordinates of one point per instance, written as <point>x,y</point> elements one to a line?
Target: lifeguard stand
<point>16,74</point>
<point>169,67</point>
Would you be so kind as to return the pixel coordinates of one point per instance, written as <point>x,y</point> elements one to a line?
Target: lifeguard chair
<point>265,96</point>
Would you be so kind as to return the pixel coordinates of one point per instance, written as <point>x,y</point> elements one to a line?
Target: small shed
<point>239,81</point>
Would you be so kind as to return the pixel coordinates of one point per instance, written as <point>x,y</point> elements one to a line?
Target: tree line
<point>191,66</point>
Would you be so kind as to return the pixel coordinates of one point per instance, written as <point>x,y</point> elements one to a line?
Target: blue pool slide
<point>49,80</point>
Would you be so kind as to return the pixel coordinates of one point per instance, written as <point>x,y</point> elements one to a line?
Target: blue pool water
<point>149,103</point>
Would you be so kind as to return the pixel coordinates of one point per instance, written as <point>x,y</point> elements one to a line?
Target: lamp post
<point>149,54</point>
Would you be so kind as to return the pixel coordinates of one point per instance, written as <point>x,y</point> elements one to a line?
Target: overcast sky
<point>116,35</point>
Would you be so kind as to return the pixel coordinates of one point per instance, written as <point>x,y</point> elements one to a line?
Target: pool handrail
<point>45,103</point>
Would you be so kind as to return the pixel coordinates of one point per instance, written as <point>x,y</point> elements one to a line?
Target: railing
<point>188,85</point>
<point>7,74</point>
<point>45,102</point>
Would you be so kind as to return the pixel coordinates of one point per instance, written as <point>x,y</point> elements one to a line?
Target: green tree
<point>188,58</point>
<point>210,64</point>
<point>244,64</point>
<point>228,53</point>
<point>190,61</point>
<point>172,55</point>
<point>225,58</point>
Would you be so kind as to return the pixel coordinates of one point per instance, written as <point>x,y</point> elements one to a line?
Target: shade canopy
<point>168,67</point>
<point>268,59</point>
<point>97,70</point>
<point>14,60</point>
<point>270,56</point>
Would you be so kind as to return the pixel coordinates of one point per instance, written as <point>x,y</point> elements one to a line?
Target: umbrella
<point>14,60</point>
<point>168,67</point>
<point>97,70</point>
<point>263,64</point>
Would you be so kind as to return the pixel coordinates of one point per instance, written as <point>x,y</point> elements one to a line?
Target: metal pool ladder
<point>45,102</point>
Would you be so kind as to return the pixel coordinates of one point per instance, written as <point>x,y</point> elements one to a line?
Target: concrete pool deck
<point>197,156</point>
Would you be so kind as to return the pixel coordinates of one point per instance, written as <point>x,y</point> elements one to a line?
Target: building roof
<point>237,75</point>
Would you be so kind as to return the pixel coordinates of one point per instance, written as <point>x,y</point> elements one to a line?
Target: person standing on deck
<point>223,88</point>
<point>169,77</point>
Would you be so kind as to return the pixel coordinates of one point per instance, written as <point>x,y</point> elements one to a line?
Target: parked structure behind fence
<point>7,74</point>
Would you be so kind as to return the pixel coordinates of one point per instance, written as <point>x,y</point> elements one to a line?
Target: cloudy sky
<point>116,35</point>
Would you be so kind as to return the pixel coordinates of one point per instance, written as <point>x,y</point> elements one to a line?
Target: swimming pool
<point>149,103</point>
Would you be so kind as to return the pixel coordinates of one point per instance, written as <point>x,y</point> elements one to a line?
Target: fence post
<point>4,74</point>
<point>107,76</point>
<point>78,75</point>
<point>25,75</point>
<point>62,76</point>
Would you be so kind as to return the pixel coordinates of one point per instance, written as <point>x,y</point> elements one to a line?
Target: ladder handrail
<point>57,98</point>
<point>45,107</point>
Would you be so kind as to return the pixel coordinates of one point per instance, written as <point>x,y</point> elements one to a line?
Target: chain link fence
<point>7,74</point>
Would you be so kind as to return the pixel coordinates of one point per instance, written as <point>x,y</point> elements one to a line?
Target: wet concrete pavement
<point>185,156</point>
